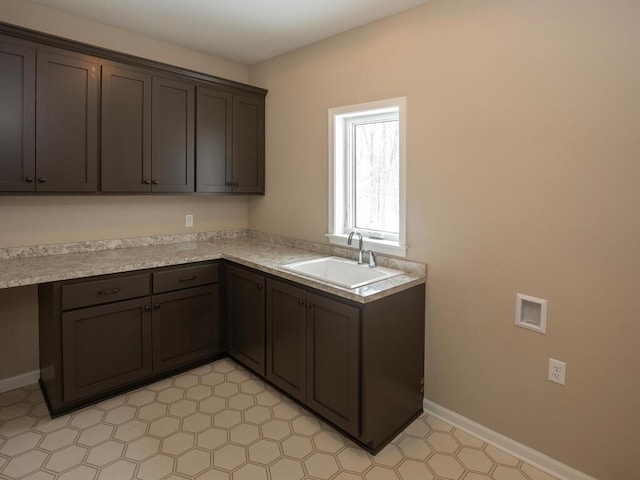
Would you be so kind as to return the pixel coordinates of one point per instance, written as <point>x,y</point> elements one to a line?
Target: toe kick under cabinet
<point>102,335</point>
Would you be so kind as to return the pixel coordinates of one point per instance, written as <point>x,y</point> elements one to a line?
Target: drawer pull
<point>187,279</point>
<point>108,292</point>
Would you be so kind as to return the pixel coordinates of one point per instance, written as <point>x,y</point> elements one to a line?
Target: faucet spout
<point>360,245</point>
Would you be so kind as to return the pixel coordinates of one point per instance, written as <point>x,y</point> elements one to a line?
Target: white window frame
<point>339,141</point>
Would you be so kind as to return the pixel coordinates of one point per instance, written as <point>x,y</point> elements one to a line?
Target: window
<point>367,174</point>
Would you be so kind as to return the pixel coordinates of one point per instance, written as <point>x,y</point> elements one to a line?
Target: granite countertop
<point>255,253</point>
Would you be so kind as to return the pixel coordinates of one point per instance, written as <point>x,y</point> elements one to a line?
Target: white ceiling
<point>244,31</point>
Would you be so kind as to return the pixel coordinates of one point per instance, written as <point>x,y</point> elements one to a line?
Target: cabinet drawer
<point>187,277</point>
<point>104,291</point>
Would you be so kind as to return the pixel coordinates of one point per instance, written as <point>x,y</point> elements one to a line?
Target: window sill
<point>385,247</point>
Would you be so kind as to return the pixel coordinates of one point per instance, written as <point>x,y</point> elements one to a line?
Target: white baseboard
<point>18,381</point>
<point>529,455</point>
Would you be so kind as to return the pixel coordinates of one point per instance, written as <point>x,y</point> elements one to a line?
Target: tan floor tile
<point>418,428</point>
<point>199,392</point>
<point>142,448</point>
<point>193,462</point>
<point>130,430</point>
<point>20,444</point>
<point>47,424</point>
<point>268,398</point>
<point>381,473</point>
<point>286,469</point>
<point>160,385</point>
<point>413,470</point>
<point>13,396</point>
<point>156,467</point>
<point>445,466</point>
<point>152,411</point>
<point>250,472</point>
<point>170,395</point>
<point>214,474</point>
<point>321,465</point>
<point>467,439</point>
<point>229,457</point>
<point>437,424</point>
<point>197,422</point>
<point>264,451</point>
<point>163,427</point>
<point>112,403</point>
<point>66,458</point>
<point>39,476</point>
<point>105,453</point>
<point>212,438</point>
<point>477,476</point>
<point>212,379</point>
<point>140,398</point>
<point>507,473</point>
<point>354,459</point>
<point>297,446</point>
<point>475,459</point>
<point>275,429</point>
<point>389,456</point>
<point>238,376</point>
<point>23,464</point>
<point>81,472</point>
<point>59,439</point>
<point>182,408</point>
<point>94,435</point>
<point>17,426</point>
<point>252,386</point>
<point>348,476</point>
<point>286,411</point>
<point>414,448</point>
<point>306,425</point>
<point>241,401</point>
<point>329,441</point>
<point>178,443</point>
<point>186,380</point>
<point>227,418</point>
<point>14,411</point>
<point>225,389</point>
<point>212,405</point>
<point>244,434</point>
<point>86,418</point>
<point>120,415</point>
<point>257,415</point>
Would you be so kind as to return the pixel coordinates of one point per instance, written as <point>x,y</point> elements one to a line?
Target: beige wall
<point>54,219</point>
<point>523,168</point>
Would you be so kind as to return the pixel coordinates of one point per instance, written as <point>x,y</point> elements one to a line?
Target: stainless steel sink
<point>340,271</point>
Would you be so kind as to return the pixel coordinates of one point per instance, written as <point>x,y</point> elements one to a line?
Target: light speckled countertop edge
<point>260,255</point>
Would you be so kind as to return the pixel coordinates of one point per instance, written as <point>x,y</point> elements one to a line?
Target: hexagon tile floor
<point>220,422</point>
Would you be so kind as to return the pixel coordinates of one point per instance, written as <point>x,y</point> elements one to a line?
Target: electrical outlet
<point>188,220</point>
<point>557,371</point>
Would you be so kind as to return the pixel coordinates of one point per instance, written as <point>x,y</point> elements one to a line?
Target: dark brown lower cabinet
<point>245,317</point>
<point>313,352</point>
<point>185,327</point>
<point>287,338</point>
<point>105,334</point>
<point>105,347</point>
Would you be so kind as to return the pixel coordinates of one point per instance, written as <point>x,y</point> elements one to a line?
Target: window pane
<point>377,176</point>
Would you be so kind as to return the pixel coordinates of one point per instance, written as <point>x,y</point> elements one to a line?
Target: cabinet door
<point>67,123</point>
<point>172,166</point>
<point>248,144</point>
<point>245,317</point>
<point>333,361</point>
<point>126,130</point>
<point>186,326</point>
<point>287,338</point>
<point>213,141</point>
<point>105,347</point>
<point>17,117</point>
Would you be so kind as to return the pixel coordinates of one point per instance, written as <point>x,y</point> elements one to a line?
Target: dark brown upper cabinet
<point>67,122</point>
<point>248,144</point>
<point>213,141</point>
<point>172,137</point>
<point>17,116</point>
<point>126,130</point>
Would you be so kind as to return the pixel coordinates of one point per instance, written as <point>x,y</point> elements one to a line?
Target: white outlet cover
<point>188,220</point>
<point>557,371</point>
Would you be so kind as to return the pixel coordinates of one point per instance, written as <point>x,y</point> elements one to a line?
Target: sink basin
<point>340,271</point>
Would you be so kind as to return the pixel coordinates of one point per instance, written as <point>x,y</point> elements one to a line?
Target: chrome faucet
<point>360,246</point>
<point>372,259</point>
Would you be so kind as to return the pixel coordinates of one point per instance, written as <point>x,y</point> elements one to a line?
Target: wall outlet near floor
<point>557,371</point>
<point>188,220</point>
